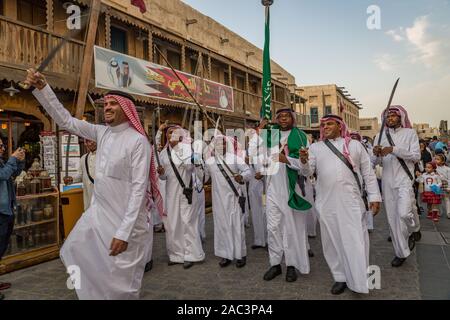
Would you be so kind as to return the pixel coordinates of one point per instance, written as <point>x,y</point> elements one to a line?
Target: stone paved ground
<point>209,281</point>
<point>433,257</point>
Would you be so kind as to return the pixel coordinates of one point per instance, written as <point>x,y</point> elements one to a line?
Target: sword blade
<point>154,138</point>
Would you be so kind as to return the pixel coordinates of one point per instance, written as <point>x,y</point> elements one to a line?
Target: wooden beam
<point>183,58</point>
<point>108,29</point>
<point>50,20</point>
<point>86,68</point>
<point>150,45</point>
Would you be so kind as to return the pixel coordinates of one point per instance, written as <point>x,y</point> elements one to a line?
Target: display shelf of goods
<point>35,236</point>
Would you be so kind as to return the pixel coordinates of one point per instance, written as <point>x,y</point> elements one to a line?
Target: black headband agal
<point>332,116</point>
<point>122,94</point>
<point>284,110</point>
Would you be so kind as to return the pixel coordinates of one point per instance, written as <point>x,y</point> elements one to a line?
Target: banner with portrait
<point>117,71</point>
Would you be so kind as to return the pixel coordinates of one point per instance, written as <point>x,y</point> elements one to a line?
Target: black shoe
<point>187,264</point>
<point>272,272</point>
<point>397,262</point>
<point>411,242</point>
<point>389,239</point>
<point>338,288</point>
<point>2,296</point>
<point>224,262</point>
<point>241,262</point>
<point>417,236</point>
<point>291,274</point>
<point>148,266</point>
<point>171,263</point>
<point>310,253</point>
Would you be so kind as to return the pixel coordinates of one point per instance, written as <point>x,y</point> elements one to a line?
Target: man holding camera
<point>12,168</point>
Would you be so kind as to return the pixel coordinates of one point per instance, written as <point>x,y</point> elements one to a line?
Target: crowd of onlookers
<point>433,176</point>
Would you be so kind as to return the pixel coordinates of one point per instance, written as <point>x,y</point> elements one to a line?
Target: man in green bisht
<point>286,209</point>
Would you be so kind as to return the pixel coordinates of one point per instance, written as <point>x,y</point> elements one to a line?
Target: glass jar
<point>37,238</point>
<point>21,189</point>
<point>30,239</point>
<point>46,181</point>
<point>38,215</point>
<point>35,186</point>
<point>48,211</point>
<point>27,182</point>
<point>35,168</point>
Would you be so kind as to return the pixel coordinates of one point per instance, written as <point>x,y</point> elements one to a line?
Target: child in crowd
<point>444,172</point>
<point>432,190</point>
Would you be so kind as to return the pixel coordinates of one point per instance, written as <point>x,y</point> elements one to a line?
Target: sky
<point>328,41</point>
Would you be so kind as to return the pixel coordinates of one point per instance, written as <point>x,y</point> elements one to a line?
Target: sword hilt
<point>25,86</point>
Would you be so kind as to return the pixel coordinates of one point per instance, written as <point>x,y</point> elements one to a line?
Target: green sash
<point>296,140</point>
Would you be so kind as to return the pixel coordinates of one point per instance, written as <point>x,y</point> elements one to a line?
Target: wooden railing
<point>25,46</point>
<point>251,101</point>
<point>303,120</point>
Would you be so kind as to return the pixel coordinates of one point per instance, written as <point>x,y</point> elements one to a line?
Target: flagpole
<point>266,103</point>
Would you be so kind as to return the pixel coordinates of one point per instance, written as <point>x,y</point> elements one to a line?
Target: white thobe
<point>259,221</point>
<point>199,201</point>
<point>183,241</point>
<point>229,229</point>
<point>398,193</point>
<point>118,208</point>
<point>341,210</point>
<point>88,186</point>
<point>286,227</point>
<point>444,172</point>
<point>311,217</point>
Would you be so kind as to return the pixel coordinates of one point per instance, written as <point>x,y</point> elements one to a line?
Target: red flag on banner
<point>140,4</point>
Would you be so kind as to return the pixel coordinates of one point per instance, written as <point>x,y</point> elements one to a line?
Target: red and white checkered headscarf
<point>153,193</point>
<point>402,113</point>
<point>345,134</point>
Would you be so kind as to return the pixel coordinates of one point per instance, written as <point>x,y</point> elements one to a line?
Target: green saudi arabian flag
<point>266,112</point>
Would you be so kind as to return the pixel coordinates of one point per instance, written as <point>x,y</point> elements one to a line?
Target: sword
<point>155,145</point>
<point>44,64</point>
<point>383,123</point>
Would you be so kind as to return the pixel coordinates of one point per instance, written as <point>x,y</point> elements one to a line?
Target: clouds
<point>384,61</point>
<point>424,43</point>
<point>396,34</point>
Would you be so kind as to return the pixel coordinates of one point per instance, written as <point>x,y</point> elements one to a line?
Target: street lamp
<point>266,3</point>
<point>11,90</point>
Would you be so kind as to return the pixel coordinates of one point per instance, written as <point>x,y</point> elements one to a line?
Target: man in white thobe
<point>397,186</point>
<point>339,203</point>
<point>107,249</point>
<point>286,226</point>
<point>199,201</point>
<point>86,173</point>
<point>229,229</point>
<point>259,221</point>
<point>181,224</point>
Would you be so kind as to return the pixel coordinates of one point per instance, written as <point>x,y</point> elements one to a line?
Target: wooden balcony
<point>23,46</point>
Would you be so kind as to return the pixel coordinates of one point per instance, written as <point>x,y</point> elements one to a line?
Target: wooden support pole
<point>108,29</point>
<point>86,68</point>
<point>49,11</point>
<point>150,45</point>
